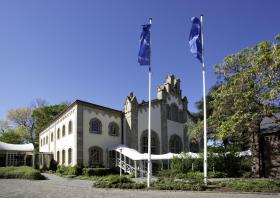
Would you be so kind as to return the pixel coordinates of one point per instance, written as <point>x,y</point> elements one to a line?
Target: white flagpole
<point>149,119</point>
<point>204,109</point>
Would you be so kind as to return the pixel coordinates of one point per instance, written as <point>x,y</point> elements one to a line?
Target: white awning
<point>16,147</point>
<point>135,155</point>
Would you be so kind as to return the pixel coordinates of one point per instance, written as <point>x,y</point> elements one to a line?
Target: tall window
<point>47,139</point>
<point>95,126</point>
<point>113,129</point>
<point>63,130</point>
<point>41,142</point>
<point>174,112</point>
<point>63,156</point>
<point>44,141</point>
<point>70,127</point>
<point>58,134</point>
<point>58,157</point>
<point>168,112</point>
<point>95,156</point>
<point>154,142</point>
<point>69,156</point>
<point>52,137</point>
<point>175,144</point>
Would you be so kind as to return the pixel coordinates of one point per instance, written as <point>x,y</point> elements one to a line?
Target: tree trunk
<point>256,160</point>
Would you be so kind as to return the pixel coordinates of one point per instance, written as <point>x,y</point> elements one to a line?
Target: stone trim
<point>80,118</point>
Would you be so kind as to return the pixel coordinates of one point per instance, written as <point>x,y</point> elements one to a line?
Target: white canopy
<point>16,147</point>
<point>135,155</point>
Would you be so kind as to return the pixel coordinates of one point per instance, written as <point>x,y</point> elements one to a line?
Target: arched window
<point>69,156</point>
<point>63,130</point>
<point>154,142</point>
<point>58,134</point>
<point>70,127</point>
<point>63,156</point>
<point>168,112</point>
<point>95,126</point>
<point>52,137</point>
<point>58,157</point>
<point>47,139</point>
<point>95,156</point>
<point>113,129</point>
<point>175,144</point>
<point>174,112</point>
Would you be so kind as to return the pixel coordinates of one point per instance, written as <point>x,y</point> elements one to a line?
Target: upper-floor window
<point>95,126</point>
<point>70,127</point>
<point>41,142</point>
<point>113,129</point>
<point>63,130</point>
<point>47,139</point>
<point>168,112</point>
<point>174,112</point>
<point>58,134</point>
<point>52,137</point>
<point>44,141</point>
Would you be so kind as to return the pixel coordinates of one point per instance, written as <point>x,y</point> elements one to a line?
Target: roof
<point>78,102</point>
<point>16,147</point>
<point>135,155</point>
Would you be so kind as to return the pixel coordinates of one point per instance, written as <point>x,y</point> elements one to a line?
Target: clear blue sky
<point>62,50</point>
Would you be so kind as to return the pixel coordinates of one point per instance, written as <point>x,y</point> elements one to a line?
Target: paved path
<point>62,187</point>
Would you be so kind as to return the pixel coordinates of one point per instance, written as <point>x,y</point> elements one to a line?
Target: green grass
<point>253,185</point>
<point>20,172</point>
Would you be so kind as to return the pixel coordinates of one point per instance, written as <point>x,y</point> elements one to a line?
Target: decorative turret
<point>170,86</point>
<point>131,121</point>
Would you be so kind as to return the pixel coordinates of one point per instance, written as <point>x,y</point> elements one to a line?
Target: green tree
<point>248,91</point>
<point>22,118</point>
<point>43,115</point>
<point>16,136</point>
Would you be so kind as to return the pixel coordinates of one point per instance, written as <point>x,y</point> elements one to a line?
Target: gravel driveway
<point>62,187</point>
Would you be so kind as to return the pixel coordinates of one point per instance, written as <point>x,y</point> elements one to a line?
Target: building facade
<point>82,134</point>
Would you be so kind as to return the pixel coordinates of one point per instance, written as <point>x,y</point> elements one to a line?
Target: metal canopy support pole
<point>135,168</point>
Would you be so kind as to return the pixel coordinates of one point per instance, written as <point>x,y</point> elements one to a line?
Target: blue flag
<point>144,56</point>
<point>195,39</point>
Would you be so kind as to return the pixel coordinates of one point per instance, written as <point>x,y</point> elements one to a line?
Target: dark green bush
<point>170,184</point>
<point>67,170</point>
<point>20,172</point>
<point>115,181</point>
<point>253,185</point>
<point>217,174</point>
<point>97,171</point>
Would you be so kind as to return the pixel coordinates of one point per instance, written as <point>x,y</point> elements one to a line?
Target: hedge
<point>20,172</point>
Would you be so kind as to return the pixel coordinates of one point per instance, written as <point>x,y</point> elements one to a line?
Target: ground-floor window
<point>95,156</point>
<point>63,156</point>
<point>69,156</point>
<point>175,144</point>
<point>154,142</point>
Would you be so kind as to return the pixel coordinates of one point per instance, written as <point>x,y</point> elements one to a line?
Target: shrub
<point>97,171</point>
<point>67,170</point>
<point>170,184</point>
<point>115,181</point>
<point>20,172</point>
<point>217,174</point>
<point>254,185</point>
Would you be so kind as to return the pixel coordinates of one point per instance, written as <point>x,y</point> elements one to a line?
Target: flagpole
<point>149,120</point>
<point>204,109</point>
